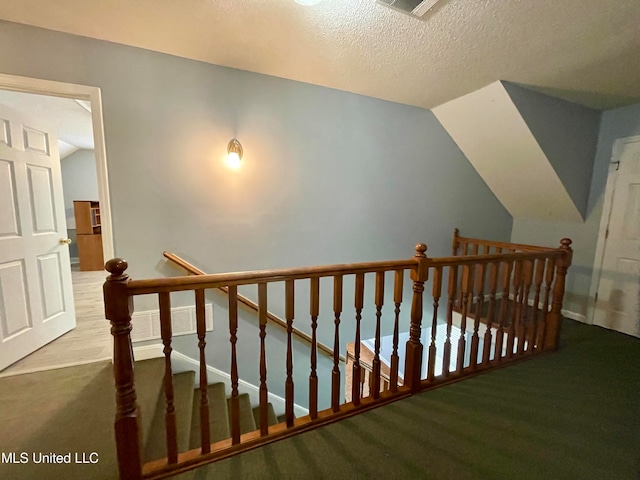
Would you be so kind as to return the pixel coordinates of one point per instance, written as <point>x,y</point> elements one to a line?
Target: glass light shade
<point>233,160</point>
<point>234,153</point>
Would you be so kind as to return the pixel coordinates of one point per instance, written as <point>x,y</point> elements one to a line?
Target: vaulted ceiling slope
<point>534,151</point>
<point>585,51</point>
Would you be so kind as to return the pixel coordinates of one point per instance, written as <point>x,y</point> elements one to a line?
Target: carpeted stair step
<point>156,446</point>
<point>271,415</point>
<point>218,416</point>
<point>283,418</point>
<point>149,386</point>
<point>247,423</point>
<point>69,410</point>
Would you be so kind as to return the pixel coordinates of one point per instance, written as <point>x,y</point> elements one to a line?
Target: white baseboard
<point>579,317</point>
<point>181,362</point>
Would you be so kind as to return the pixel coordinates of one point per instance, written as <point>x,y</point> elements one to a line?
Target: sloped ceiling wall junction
<point>534,151</point>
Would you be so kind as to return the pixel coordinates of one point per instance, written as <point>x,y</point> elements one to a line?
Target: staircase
<point>186,399</point>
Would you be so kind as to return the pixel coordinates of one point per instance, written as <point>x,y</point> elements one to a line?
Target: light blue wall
<point>568,135</point>
<point>618,123</point>
<point>327,176</point>
<point>79,181</point>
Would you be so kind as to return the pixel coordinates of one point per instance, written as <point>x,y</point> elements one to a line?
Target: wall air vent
<point>415,8</point>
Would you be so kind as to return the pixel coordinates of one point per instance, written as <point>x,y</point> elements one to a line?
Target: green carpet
<point>68,410</point>
<point>572,415</point>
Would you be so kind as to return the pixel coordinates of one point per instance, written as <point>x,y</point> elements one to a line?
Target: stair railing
<point>193,270</point>
<point>523,323</point>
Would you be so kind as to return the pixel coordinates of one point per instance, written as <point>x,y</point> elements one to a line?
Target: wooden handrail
<point>495,257</point>
<point>507,245</point>
<point>177,284</point>
<point>522,288</point>
<point>253,306</point>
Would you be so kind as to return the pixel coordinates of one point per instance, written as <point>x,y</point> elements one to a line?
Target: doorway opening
<point>76,113</point>
<point>615,286</point>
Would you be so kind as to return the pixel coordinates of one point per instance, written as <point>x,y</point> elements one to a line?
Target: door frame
<point>612,178</point>
<point>92,95</point>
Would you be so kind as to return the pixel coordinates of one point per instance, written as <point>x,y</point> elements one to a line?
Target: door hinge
<point>606,234</point>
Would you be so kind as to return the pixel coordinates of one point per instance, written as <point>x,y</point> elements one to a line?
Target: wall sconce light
<point>234,153</point>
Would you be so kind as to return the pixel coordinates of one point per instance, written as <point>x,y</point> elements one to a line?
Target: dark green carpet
<point>573,415</point>
<point>68,410</point>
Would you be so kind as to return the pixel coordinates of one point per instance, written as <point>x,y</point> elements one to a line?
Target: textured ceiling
<point>586,51</point>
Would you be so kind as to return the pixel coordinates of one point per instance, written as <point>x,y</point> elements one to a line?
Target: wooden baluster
<point>264,393</point>
<point>379,299</point>
<point>552,333</point>
<point>289,314</point>
<point>548,285</point>
<point>335,374</point>
<point>357,375</point>
<point>533,333</point>
<point>170,416</point>
<point>313,377</point>
<point>515,310</point>
<point>463,252</point>
<point>475,338</point>
<point>118,307</point>
<point>397,299</point>
<point>413,357</point>
<point>235,398</point>
<point>436,292</point>
<point>493,285</point>
<point>467,296</point>
<point>503,316</point>
<point>201,329</point>
<point>452,293</point>
<point>523,324</point>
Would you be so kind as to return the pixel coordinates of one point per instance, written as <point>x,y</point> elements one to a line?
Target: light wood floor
<point>90,341</point>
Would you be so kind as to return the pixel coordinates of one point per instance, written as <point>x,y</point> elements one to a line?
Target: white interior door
<point>36,296</point>
<point>618,302</point>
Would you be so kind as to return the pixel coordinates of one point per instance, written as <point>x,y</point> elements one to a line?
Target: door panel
<point>618,301</point>
<point>14,305</point>
<point>36,141</point>
<point>9,224</point>
<point>51,285</point>
<point>36,295</point>
<point>41,195</point>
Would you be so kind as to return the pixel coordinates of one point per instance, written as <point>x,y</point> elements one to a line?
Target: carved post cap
<point>456,232</point>
<point>565,243</point>
<point>116,267</point>
<point>421,248</point>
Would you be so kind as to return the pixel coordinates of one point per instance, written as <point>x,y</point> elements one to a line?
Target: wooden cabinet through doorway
<point>89,235</point>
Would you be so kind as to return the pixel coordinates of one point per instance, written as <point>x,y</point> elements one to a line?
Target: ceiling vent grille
<point>415,8</point>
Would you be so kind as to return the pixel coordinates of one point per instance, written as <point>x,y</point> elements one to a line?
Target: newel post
<point>118,309</point>
<point>413,358</point>
<point>554,319</point>
<point>455,244</point>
